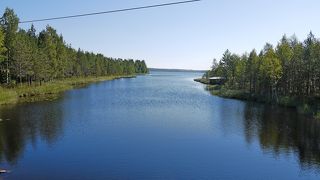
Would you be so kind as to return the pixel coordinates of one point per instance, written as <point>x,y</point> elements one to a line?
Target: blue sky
<point>186,36</point>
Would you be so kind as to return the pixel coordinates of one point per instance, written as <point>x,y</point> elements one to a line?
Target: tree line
<point>28,56</point>
<point>291,69</point>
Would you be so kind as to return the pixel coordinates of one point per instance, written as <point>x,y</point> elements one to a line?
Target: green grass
<point>306,105</point>
<point>202,80</point>
<point>8,96</point>
<point>47,91</point>
<point>317,115</point>
<point>304,108</point>
<point>228,93</point>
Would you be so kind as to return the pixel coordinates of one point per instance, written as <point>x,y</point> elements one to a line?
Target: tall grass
<point>8,96</point>
<point>317,115</point>
<point>46,91</point>
<point>307,105</point>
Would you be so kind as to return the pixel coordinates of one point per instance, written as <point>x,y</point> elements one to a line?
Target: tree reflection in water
<point>26,124</point>
<point>279,131</point>
<point>283,131</point>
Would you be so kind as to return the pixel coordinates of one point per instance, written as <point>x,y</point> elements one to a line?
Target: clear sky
<point>185,36</point>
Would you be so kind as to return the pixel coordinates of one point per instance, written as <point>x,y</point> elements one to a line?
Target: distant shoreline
<point>176,70</point>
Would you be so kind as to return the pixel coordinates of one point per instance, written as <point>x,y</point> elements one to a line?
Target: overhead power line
<point>109,12</point>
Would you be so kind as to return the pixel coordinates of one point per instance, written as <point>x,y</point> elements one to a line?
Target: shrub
<point>317,115</point>
<point>304,109</point>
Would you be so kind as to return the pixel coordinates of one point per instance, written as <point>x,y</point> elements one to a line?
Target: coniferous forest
<point>69,113</point>
<point>287,74</point>
<point>30,57</point>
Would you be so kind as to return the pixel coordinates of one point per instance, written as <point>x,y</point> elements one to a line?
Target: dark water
<point>159,126</point>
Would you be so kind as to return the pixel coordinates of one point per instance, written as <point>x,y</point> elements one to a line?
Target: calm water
<point>159,126</point>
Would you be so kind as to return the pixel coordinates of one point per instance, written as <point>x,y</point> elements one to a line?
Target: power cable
<point>109,12</point>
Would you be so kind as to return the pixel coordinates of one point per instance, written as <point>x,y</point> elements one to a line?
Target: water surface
<point>158,126</point>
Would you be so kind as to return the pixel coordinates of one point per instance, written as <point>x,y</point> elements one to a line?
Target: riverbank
<point>308,106</point>
<point>202,80</point>
<point>49,90</point>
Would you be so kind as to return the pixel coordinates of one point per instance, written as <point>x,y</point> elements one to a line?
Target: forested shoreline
<point>28,58</point>
<point>288,74</point>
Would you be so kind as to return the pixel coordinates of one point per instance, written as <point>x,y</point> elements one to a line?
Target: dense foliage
<point>291,69</point>
<point>26,56</point>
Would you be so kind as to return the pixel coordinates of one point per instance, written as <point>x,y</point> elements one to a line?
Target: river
<point>158,126</point>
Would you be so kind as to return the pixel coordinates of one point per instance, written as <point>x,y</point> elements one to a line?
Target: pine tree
<point>285,53</point>
<point>10,25</point>
<point>21,56</point>
<point>26,56</point>
<point>2,47</point>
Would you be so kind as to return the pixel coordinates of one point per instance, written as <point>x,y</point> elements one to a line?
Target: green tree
<point>2,53</point>
<point>229,62</point>
<point>285,53</point>
<point>61,59</point>
<point>240,72</point>
<point>26,56</point>
<point>310,63</point>
<point>297,67</point>
<point>271,70</point>
<point>2,47</point>
<point>21,56</point>
<point>252,70</point>
<point>48,44</point>
<point>10,26</point>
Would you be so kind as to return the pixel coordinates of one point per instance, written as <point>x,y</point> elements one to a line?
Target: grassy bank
<point>305,105</point>
<point>47,91</point>
<point>202,80</point>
